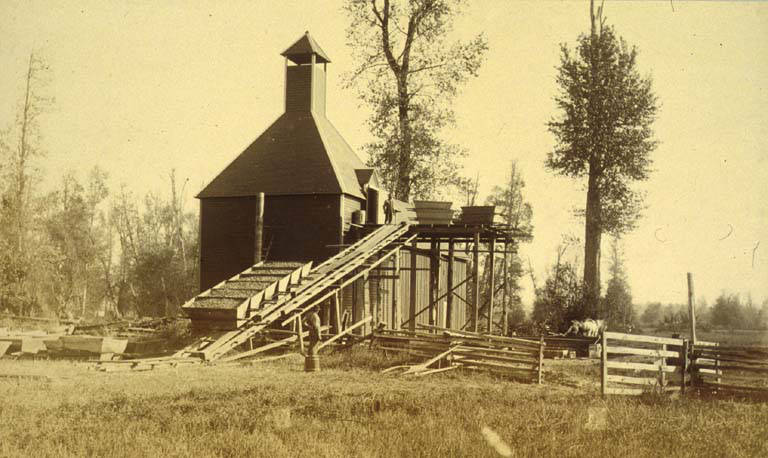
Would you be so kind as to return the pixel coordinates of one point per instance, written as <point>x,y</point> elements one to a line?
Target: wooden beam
<point>603,364</point>
<point>396,312</point>
<point>345,332</point>
<point>492,284</point>
<point>434,282</point>
<point>412,310</point>
<point>475,272</point>
<point>691,308</point>
<point>258,250</point>
<point>449,300</point>
<point>504,315</point>
<point>336,312</point>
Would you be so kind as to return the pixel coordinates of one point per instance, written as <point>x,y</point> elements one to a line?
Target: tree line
<point>81,249</point>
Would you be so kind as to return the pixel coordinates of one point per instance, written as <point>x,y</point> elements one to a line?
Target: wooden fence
<point>634,365</point>
<point>731,370</point>
<point>518,358</point>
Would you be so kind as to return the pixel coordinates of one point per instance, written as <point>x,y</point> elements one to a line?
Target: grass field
<point>276,410</point>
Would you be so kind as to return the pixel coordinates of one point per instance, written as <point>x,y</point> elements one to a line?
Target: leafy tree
<point>77,230</point>
<point>156,272</point>
<point>19,234</point>
<point>408,74</point>
<point>727,311</point>
<point>652,314</point>
<point>517,214</point>
<point>617,303</point>
<point>561,298</point>
<point>603,134</point>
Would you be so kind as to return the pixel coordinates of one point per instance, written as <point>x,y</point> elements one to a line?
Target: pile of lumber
<point>445,349</point>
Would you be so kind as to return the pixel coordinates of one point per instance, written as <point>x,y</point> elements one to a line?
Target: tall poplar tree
<point>603,136</point>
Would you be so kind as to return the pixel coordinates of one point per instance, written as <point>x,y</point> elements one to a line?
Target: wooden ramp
<point>280,302</point>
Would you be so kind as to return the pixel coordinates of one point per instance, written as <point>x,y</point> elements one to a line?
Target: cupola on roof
<point>301,51</point>
<point>301,152</point>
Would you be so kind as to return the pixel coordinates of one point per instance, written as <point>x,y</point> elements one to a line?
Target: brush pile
<point>446,349</point>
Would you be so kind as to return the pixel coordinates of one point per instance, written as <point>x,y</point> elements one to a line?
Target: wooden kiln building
<point>313,183</point>
<point>311,178</point>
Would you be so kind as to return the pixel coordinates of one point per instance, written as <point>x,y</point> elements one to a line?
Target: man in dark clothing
<point>388,210</point>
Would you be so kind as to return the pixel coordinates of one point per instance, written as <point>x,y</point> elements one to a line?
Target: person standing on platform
<point>388,210</point>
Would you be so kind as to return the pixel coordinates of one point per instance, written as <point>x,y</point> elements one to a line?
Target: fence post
<point>603,363</point>
<point>691,308</point>
<point>541,357</point>
<point>683,365</point>
<point>662,366</point>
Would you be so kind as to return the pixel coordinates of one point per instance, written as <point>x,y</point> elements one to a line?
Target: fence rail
<point>636,364</point>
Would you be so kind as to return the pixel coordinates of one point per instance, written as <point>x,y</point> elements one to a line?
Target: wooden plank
<point>397,317</point>
<point>345,332</point>
<point>476,276</point>
<point>640,366</point>
<point>730,367</point>
<point>492,283</point>
<point>643,352</point>
<point>541,351</point>
<point>412,309</point>
<point>633,380</point>
<point>603,364</point>
<point>449,299</point>
<point>647,339</point>
<point>491,358</point>
<point>531,370</point>
<point>726,386</point>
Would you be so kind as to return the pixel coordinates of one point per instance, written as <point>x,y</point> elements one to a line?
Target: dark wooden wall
<point>296,228</point>
<point>301,228</point>
<point>227,233</point>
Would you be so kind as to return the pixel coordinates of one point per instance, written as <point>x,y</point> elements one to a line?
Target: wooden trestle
<point>326,281</point>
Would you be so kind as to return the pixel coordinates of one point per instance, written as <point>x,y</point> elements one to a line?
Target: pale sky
<point>142,87</point>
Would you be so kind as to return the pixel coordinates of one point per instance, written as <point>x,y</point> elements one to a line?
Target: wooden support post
<point>492,283</point>
<point>258,249</point>
<point>412,310</point>
<point>603,363</point>
<point>449,299</point>
<point>336,312</point>
<point>475,273</point>
<point>541,358</point>
<point>504,314</point>
<point>434,281</point>
<point>397,316</point>
<point>683,365</point>
<point>365,306</point>
<point>662,367</point>
<point>300,331</point>
<point>691,308</point>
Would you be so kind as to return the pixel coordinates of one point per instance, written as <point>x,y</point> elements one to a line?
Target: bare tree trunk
<point>592,238</point>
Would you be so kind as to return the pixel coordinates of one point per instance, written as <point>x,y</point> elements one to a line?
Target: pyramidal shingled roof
<point>301,51</point>
<point>298,154</point>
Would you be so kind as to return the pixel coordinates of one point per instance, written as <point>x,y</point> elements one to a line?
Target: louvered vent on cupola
<point>304,77</point>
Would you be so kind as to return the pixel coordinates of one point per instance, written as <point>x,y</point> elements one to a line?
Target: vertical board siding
<point>349,206</point>
<point>227,235</point>
<point>302,227</point>
<point>382,286</point>
<point>297,87</point>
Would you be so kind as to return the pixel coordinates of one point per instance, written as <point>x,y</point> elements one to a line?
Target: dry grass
<point>275,410</point>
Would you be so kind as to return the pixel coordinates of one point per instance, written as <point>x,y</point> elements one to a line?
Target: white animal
<point>586,328</point>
